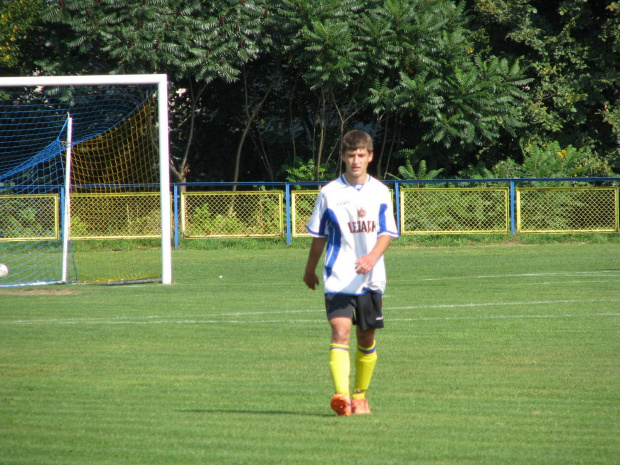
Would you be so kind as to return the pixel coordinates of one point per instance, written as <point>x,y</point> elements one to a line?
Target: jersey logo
<point>361,212</point>
<point>362,227</point>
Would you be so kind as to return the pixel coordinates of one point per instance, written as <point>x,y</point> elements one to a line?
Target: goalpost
<point>108,182</point>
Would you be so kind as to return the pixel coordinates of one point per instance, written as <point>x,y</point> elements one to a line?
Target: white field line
<point>314,321</point>
<point>225,317</point>
<point>578,274</point>
<point>563,283</point>
<point>503,304</point>
<point>602,273</point>
<point>506,317</point>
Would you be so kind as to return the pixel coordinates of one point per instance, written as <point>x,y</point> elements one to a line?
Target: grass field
<point>502,354</point>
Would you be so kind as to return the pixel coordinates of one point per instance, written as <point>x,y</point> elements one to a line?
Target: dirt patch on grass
<point>37,292</point>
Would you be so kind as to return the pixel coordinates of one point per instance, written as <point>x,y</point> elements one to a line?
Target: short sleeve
<point>317,226</point>
<point>387,223</point>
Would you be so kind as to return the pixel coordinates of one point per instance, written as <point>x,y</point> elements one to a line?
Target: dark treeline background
<point>261,90</point>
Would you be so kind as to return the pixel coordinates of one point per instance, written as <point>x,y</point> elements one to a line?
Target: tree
<point>323,50</point>
<point>429,79</point>
<point>475,101</point>
<point>465,84</point>
<point>570,48</point>
<point>550,160</point>
<point>195,42</point>
<point>402,39</point>
<point>18,18</point>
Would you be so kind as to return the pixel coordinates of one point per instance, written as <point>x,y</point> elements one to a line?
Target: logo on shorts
<point>361,212</point>
<point>379,318</point>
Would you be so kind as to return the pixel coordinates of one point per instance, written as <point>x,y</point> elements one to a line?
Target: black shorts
<point>365,310</point>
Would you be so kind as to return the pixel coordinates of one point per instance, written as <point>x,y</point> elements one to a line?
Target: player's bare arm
<point>367,262</point>
<point>316,250</point>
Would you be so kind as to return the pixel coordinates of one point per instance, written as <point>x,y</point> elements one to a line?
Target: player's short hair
<point>356,139</point>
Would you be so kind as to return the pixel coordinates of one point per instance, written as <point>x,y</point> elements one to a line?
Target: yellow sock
<point>365,361</point>
<point>340,367</point>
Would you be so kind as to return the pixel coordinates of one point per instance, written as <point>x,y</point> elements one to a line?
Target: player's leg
<point>365,361</point>
<point>340,316</point>
<point>339,359</point>
<point>369,318</point>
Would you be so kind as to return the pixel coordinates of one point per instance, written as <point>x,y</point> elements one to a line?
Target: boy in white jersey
<point>353,215</point>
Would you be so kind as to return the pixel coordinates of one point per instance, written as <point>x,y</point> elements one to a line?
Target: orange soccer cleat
<point>360,407</point>
<point>341,404</point>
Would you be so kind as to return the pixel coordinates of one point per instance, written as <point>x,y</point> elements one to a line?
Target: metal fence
<point>232,214</point>
<point>206,210</point>
<point>482,210</point>
<point>560,209</point>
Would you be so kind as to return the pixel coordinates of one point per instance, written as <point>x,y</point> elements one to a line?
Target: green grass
<point>492,354</point>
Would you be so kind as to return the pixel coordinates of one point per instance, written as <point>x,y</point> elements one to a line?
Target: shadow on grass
<point>257,412</point>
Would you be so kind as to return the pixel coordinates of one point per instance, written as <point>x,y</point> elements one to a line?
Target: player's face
<point>356,164</point>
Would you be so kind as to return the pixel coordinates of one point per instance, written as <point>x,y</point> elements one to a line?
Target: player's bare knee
<point>340,335</point>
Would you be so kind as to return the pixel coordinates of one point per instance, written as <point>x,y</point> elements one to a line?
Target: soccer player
<point>354,216</point>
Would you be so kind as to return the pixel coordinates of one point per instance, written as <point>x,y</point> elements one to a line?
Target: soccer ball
<point>4,270</point>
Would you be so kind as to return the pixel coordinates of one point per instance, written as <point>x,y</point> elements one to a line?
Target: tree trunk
<point>321,137</point>
<point>250,119</point>
<point>180,173</point>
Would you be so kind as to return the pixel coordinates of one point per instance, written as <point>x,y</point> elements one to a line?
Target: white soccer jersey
<point>352,218</point>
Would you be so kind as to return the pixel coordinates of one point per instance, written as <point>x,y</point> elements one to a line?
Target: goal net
<point>84,181</point>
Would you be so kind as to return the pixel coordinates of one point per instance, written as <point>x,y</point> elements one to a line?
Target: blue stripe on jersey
<point>324,224</point>
<point>334,240</point>
<point>382,220</point>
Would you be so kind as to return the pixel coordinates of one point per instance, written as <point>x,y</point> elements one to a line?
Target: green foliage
<point>79,228</point>
<point>143,222</point>
<point>305,171</point>
<point>472,105</point>
<point>411,157</point>
<point>611,116</point>
<point>570,49</point>
<point>408,172</point>
<point>257,215</point>
<point>472,80</point>
<point>331,57</point>
<point>428,75</point>
<point>448,211</point>
<point>477,171</point>
<point>323,48</point>
<point>18,19</point>
<point>24,219</point>
<point>550,160</point>
<point>204,223</point>
<point>204,40</point>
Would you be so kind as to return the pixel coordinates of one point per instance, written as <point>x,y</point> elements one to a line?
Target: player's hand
<point>311,279</point>
<point>365,264</point>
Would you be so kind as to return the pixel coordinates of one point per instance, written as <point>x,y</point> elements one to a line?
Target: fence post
<point>397,205</point>
<point>60,232</point>
<point>513,228</point>
<point>175,203</point>
<point>287,195</point>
